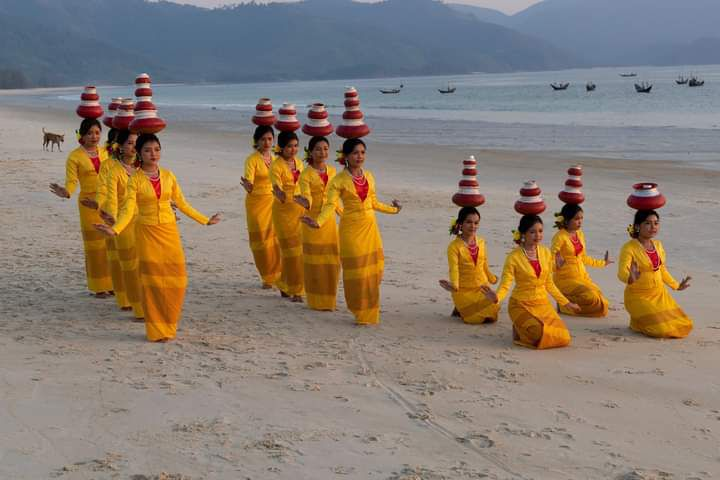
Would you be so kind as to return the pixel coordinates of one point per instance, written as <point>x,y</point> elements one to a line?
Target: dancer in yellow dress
<point>258,207</point>
<point>160,252</point>
<point>285,173</point>
<point>83,167</point>
<point>571,277</point>
<point>361,250</point>
<point>642,267</point>
<point>321,251</point>
<point>469,271</point>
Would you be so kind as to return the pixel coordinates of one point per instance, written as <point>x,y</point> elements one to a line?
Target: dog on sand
<point>52,139</point>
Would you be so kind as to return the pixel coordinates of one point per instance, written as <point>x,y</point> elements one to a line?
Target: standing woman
<point>83,166</point>
<point>160,253</point>
<point>361,250</point>
<point>642,267</point>
<point>285,172</point>
<point>321,253</point>
<point>258,207</point>
<point>469,271</point>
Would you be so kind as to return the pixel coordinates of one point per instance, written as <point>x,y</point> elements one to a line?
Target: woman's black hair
<point>568,212</point>
<point>350,144</point>
<point>284,138</point>
<point>640,217</point>
<point>121,137</point>
<point>87,124</point>
<point>526,223</point>
<point>462,216</point>
<point>142,139</point>
<point>260,131</point>
<point>112,136</point>
<point>311,146</point>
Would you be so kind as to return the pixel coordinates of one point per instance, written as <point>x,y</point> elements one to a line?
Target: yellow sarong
<point>258,212</point>
<point>573,280</point>
<point>321,252</point>
<point>110,243</point>
<point>536,324</point>
<point>361,249</point>
<point>286,222</point>
<point>467,277</point>
<point>80,170</point>
<point>653,312</point>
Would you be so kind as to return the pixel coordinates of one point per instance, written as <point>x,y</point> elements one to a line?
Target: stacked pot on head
<point>287,118</point>
<point>89,104</point>
<point>353,121</point>
<point>468,194</point>
<point>112,111</point>
<point>146,119</point>
<point>317,124</point>
<point>646,196</point>
<point>530,201</point>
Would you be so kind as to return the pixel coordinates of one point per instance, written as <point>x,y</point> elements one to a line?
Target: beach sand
<point>257,387</point>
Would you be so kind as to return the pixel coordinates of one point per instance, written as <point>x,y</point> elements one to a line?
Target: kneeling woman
<point>361,249</point>
<point>536,324</point>
<point>571,277</point>
<point>157,239</point>
<point>468,270</point>
<point>642,268</point>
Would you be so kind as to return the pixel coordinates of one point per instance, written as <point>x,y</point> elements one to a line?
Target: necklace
<point>359,180</point>
<point>154,175</point>
<point>533,257</point>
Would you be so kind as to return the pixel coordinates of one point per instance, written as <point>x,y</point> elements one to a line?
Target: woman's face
<point>356,159</point>
<point>534,235</point>
<point>650,227</point>
<point>290,150</point>
<point>575,223</point>
<point>150,154</point>
<point>470,224</point>
<point>320,153</point>
<point>92,137</point>
<point>128,148</point>
<point>266,142</point>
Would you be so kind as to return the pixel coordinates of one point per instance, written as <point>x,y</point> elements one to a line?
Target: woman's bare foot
<point>102,294</point>
<point>125,309</point>
<point>455,313</point>
<point>296,299</point>
<point>139,320</point>
<point>266,286</point>
<point>283,294</point>
<point>164,340</point>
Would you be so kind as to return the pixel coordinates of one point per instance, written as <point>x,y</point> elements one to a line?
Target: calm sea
<point>516,111</point>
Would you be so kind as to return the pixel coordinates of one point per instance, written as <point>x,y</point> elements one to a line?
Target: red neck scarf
<point>576,243</point>
<point>155,182</point>
<point>362,186</point>
<point>654,259</point>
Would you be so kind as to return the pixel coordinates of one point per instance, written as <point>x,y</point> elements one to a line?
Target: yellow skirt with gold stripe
<point>586,294</point>
<point>163,278</point>
<point>321,264</point>
<point>656,314</point>
<point>116,273</point>
<point>127,254</point>
<point>263,242</point>
<point>537,325</point>
<point>474,307</point>
<point>97,268</point>
<point>286,222</point>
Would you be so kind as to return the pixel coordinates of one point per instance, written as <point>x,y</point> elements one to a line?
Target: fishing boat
<point>590,87</point>
<point>560,86</point>
<point>391,91</point>
<point>628,75</point>
<point>643,87</point>
<point>682,80</point>
<point>449,89</point>
<point>695,82</point>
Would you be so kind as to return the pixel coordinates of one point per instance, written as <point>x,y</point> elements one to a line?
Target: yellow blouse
<point>282,176</point>
<point>464,273</point>
<point>153,210</point>
<point>573,263</point>
<point>257,173</point>
<point>115,188</point>
<point>342,188</point>
<point>649,279</point>
<point>314,190</point>
<point>79,169</point>
<point>528,286</point>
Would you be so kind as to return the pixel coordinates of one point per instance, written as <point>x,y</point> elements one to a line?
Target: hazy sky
<point>507,6</point>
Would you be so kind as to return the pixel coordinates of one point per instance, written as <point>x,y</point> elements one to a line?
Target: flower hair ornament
<point>559,220</point>
<point>307,155</point>
<point>340,157</point>
<point>79,137</point>
<point>454,227</point>
<point>631,230</point>
<point>277,150</point>
<point>517,236</point>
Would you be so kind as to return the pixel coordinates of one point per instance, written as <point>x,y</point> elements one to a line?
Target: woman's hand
<point>89,203</point>
<point>215,219</point>
<point>447,286</point>
<point>309,222</point>
<point>634,273</point>
<point>59,190</point>
<point>574,307</point>
<point>279,194</point>
<point>247,185</point>
<point>685,283</point>
<point>489,294</point>
<point>607,258</point>
<point>397,205</point>
<point>107,218</point>
<point>559,260</point>
<point>302,201</point>
<point>102,228</point>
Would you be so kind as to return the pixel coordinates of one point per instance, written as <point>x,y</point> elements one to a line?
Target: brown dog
<point>52,139</point>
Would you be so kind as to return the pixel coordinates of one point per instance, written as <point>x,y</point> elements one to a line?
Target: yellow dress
<point>467,277</point>
<point>361,250</point>
<point>111,243</point>
<point>79,169</point>
<point>116,189</point>
<point>160,254</point>
<point>258,210</point>
<point>321,252</point>
<point>573,280</point>
<point>652,310</point>
<point>286,222</point>
<point>536,324</point>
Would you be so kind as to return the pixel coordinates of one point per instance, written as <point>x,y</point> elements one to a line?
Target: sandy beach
<point>259,388</point>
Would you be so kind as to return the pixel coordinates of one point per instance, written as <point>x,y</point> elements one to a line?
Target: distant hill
<point>483,14</point>
<point>60,42</point>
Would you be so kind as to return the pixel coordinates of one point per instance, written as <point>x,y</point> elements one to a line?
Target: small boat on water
<point>391,91</point>
<point>643,87</point>
<point>560,86</point>
<point>628,75</point>
<point>449,89</point>
<point>682,80</point>
<point>695,82</point>
<point>590,87</point>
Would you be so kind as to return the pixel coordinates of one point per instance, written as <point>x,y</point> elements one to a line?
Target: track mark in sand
<point>424,417</point>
